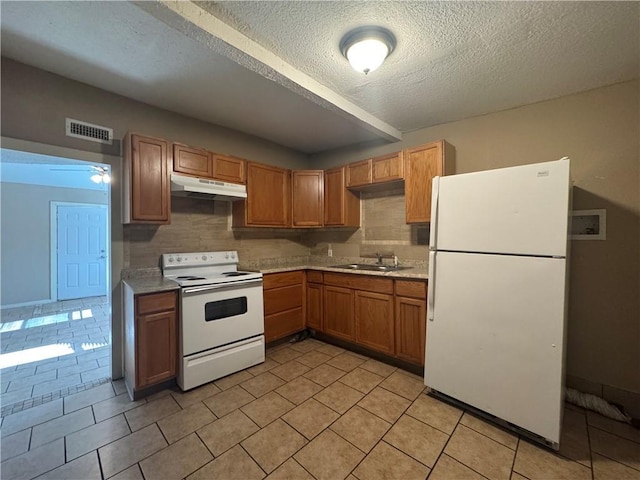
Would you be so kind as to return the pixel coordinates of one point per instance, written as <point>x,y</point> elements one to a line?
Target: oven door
<point>217,315</point>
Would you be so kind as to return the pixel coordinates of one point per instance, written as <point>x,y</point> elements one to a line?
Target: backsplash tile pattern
<point>205,225</point>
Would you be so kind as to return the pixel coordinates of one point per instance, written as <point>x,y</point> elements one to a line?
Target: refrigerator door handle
<point>431,285</point>
<point>433,227</point>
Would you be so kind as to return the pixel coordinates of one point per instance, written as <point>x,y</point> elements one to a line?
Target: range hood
<point>184,186</point>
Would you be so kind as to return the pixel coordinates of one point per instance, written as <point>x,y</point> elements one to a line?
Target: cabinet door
<point>374,321</point>
<point>421,165</point>
<point>359,173</point>
<point>314,306</point>
<point>411,324</point>
<point>387,168</point>
<point>149,181</point>
<point>192,161</point>
<point>341,206</point>
<point>156,348</point>
<point>228,169</point>
<point>268,195</point>
<point>338,312</point>
<point>307,198</point>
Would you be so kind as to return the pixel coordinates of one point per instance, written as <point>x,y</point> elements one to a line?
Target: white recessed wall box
<point>589,224</point>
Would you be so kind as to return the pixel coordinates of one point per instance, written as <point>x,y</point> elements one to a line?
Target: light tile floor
<point>310,411</point>
<point>52,350</point>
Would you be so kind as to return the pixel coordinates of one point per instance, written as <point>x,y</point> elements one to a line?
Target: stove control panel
<point>197,259</point>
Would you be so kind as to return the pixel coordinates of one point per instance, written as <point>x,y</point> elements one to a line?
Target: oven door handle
<point>223,286</point>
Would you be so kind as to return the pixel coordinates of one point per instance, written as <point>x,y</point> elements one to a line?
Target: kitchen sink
<point>370,267</point>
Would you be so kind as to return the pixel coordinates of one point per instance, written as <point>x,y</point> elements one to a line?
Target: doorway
<point>80,250</point>
<point>56,320</point>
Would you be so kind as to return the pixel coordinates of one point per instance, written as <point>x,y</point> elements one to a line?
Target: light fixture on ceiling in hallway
<point>367,47</point>
<point>101,175</point>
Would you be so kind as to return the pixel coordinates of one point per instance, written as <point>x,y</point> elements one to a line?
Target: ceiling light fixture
<point>367,47</point>
<point>102,176</point>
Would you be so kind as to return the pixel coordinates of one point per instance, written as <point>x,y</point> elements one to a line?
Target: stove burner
<point>235,274</point>
<point>190,277</point>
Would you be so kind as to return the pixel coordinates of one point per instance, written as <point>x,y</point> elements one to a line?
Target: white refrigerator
<point>497,299</point>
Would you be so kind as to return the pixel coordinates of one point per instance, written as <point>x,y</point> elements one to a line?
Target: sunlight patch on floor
<point>35,354</point>
<point>46,320</point>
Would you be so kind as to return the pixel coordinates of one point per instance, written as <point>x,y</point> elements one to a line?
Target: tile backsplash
<point>205,225</point>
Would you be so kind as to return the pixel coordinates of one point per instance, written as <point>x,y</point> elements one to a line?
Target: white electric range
<point>221,315</point>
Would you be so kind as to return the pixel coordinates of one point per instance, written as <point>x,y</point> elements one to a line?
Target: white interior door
<point>81,251</point>
<point>497,337</point>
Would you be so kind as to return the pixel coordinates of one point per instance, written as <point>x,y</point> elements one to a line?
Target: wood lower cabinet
<point>284,305</point>
<point>341,206</point>
<point>192,161</point>
<point>151,348</point>
<point>145,189</point>
<point>421,164</point>
<point>374,321</point>
<point>339,312</point>
<point>381,314</point>
<point>268,198</point>
<point>307,198</point>
<point>315,301</point>
<point>411,320</point>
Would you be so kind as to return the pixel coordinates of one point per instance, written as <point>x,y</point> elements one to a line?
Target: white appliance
<point>183,185</point>
<point>221,315</point>
<point>497,299</point>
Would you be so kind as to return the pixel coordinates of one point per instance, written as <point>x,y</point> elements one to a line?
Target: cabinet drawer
<point>282,324</point>
<point>360,282</point>
<point>275,280</point>
<point>155,302</point>
<point>405,288</point>
<point>314,276</point>
<point>283,298</point>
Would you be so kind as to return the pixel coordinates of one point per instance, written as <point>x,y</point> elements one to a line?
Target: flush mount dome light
<point>367,47</point>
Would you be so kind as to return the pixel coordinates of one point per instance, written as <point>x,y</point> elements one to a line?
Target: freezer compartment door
<point>496,340</point>
<point>520,210</point>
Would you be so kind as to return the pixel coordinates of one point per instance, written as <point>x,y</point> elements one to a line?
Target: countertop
<point>142,285</point>
<point>417,271</point>
<point>150,280</point>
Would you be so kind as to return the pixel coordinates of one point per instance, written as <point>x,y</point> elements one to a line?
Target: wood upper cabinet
<point>341,206</point>
<point>421,164</point>
<point>387,168</point>
<point>146,191</point>
<point>268,198</point>
<point>411,320</point>
<point>359,173</point>
<point>228,169</point>
<point>374,321</point>
<point>382,169</point>
<point>284,307</point>
<point>307,198</point>
<point>192,161</point>
<point>150,349</point>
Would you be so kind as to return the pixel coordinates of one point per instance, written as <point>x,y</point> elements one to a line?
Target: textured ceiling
<point>453,60</point>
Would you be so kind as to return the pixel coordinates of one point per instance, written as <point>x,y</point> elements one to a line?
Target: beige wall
<point>35,104</point>
<point>599,130</point>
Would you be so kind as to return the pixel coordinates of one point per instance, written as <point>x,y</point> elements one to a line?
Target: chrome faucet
<point>380,256</point>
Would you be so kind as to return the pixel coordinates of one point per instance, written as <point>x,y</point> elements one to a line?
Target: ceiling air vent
<point>89,131</point>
